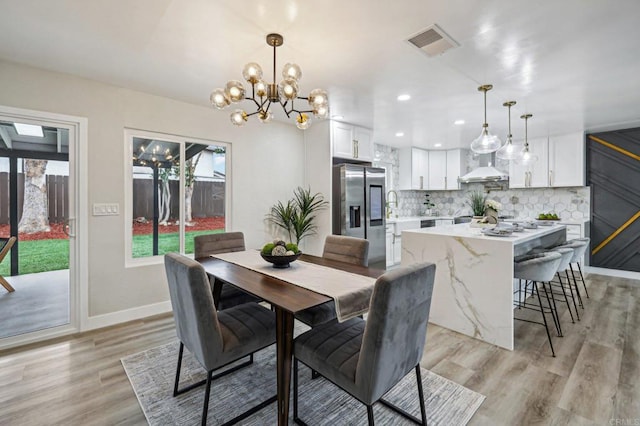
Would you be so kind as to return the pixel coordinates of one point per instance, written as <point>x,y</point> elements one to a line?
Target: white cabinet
<point>456,167</point>
<point>567,160</point>
<point>437,170</point>
<point>351,142</point>
<point>390,238</point>
<point>413,170</point>
<point>561,162</point>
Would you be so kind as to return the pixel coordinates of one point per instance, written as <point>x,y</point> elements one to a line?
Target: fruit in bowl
<point>280,254</point>
<point>548,216</point>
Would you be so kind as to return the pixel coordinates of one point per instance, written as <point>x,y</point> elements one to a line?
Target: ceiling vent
<point>433,41</point>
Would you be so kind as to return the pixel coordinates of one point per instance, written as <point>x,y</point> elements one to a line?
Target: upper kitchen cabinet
<point>351,142</point>
<point>456,167</point>
<point>567,160</point>
<point>437,170</point>
<point>561,162</point>
<point>536,175</point>
<point>413,169</point>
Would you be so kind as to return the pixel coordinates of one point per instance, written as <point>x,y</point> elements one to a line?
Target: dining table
<point>286,299</point>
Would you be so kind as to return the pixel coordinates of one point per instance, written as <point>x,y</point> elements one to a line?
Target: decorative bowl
<point>280,261</point>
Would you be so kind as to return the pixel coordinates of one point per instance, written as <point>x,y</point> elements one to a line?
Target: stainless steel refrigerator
<point>359,207</point>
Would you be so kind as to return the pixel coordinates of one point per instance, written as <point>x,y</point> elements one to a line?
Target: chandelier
<point>486,142</point>
<point>263,94</point>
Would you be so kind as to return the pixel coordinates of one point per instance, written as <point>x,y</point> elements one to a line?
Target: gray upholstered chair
<point>580,246</point>
<point>225,242</point>
<point>368,358</point>
<point>538,269</point>
<point>343,249</point>
<point>214,338</point>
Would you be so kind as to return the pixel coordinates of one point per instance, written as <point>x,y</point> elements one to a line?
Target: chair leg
<point>552,307</point>
<point>575,286</point>
<point>582,279</point>
<point>370,415</point>
<point>566,299</point>
<point>175,386</point>
<point>207,392</point>
<point>6,285</point>
<point>544,319</point>
<point>314,374</point>
<point>573,297</point>
<point>423,411</point>
<point>295,390</point>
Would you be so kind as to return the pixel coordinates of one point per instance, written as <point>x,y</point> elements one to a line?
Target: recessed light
<point>337,117</point>
<point>458,122</point>
<point>399,134</point>
<point>28,130</point>
<point>438,145</point>
<point>404,97</point>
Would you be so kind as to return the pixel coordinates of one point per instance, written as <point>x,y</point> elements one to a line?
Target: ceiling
<point>573,64</point>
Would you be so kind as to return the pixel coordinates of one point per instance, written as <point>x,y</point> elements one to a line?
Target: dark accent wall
<point>614,178</point>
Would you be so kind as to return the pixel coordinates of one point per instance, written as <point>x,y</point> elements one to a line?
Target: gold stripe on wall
<point>615,147</point>
<point>615,233</point>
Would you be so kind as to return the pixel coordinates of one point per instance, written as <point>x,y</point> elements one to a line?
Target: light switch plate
<point>106,209</point>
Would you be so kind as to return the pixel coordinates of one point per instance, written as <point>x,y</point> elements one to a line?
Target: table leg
<point>284,343</point>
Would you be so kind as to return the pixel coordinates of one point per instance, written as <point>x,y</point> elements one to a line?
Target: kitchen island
<point>473,292</point>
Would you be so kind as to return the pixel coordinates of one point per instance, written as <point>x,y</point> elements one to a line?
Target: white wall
<point>267,165</point>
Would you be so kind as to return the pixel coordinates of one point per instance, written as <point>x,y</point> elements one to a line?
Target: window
<point>170,201</point>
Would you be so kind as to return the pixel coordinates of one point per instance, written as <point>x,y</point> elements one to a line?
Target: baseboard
<point>118,317</point>
<point>612,272</point>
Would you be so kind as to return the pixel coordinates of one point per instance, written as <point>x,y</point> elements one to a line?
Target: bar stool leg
<point>553,308</point>
<point>582,279</point>
<point>566,272</point>
<point>544,317</point>
<point>575,285</point>
<point>566,299</point>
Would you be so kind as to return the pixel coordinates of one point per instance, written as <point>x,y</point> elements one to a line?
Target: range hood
<point>486,172</point>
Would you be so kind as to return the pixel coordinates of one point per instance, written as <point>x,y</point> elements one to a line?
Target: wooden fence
<point>207,199</point>
<point>57,195</point>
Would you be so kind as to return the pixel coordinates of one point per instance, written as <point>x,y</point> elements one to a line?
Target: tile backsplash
<point>567,203</point>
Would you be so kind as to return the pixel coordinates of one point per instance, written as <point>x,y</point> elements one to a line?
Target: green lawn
<point>51,255</point>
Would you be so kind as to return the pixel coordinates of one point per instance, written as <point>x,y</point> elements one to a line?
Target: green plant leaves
<point>297,215</point>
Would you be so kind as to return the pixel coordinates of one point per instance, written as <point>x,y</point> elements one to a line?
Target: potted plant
<point>427,205</point>
<point>477,200</point>
<point>298,214</point>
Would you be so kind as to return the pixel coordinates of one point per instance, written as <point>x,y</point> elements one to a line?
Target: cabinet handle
<point>445,182</point>
<point>421,182</point>
<point>529,179</point>
<point>550,177</point>
<point>394,238</point>
<point>355,148</point>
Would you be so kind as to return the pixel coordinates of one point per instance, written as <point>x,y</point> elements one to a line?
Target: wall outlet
<point>106,209</point>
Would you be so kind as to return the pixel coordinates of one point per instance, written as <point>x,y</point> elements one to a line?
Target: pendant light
<point>486,142</point>
<point>526,157</point>
<point>509,151</point>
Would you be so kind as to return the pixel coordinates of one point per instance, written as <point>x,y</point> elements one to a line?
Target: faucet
<point>395,201</point>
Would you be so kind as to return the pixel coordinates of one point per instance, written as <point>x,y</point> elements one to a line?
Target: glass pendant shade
<point>234,90</point>
<point>219,99</point>
<point>485,143</point>
<point>291,71</point>
<point>252,72</point>
<point>261,88</point>
<point>265,116</point>
<point>509,151</point>
<point>238,117</point>
<point>321,111</point>
<point>526,157</point>
<point>318,97</point>
<point>303,122</point>
<point>288,88</point>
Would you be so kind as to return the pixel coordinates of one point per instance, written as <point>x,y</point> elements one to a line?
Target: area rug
<point>152,372</point>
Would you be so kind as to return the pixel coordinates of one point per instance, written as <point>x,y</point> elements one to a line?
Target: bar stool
<point>567,252</point>
<point>538,269</point>
<point>578,255</point>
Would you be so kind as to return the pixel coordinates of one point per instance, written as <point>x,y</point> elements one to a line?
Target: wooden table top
<point>286,295</point>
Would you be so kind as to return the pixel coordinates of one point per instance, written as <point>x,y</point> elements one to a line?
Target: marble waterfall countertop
<point>473,291</point>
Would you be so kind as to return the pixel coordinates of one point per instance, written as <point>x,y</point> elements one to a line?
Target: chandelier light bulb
<point>321,111</point>
<point>291,70</point>
<point>234,90</point>
<point>265,116</point>
<point>303,122</point>
<point>238,117</point>
<point>288,88</point>
<point>252,72</point>
<point>318,97</point>
<point>261,88</point>
<point>219,99</point>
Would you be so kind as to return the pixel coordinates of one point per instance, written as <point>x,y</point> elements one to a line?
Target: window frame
<point>129,134</point>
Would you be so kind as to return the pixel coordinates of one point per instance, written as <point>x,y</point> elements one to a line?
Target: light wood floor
<point>594,379</point>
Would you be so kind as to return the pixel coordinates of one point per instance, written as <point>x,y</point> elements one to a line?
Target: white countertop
<point>466,231</point>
